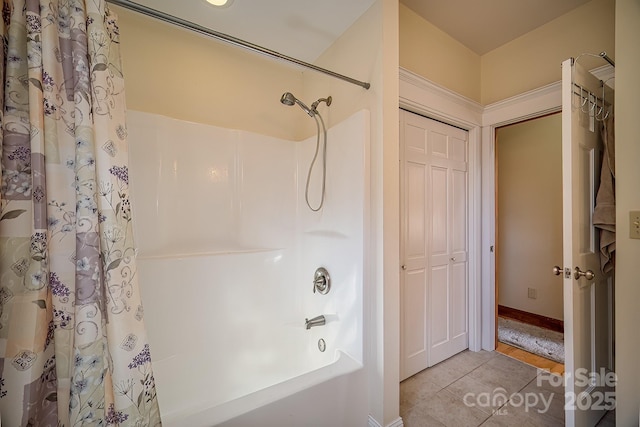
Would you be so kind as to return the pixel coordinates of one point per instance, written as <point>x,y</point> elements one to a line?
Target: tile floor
<point>436,396</point>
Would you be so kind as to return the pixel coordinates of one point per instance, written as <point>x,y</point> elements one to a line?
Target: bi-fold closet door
<point>434,242</point>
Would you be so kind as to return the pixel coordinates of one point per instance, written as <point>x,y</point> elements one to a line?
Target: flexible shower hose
<point>317,116</point>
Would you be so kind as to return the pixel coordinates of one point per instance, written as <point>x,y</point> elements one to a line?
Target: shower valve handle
<point>319,284</point>
<point>321,281</point>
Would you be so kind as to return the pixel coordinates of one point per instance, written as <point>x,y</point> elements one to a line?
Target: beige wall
<point>176,73</point>
<point>533,60</point>
<point>528,62</point>
<point>627,107</point>
<point>529,214</point>
<point>369,51</point>
<point>428,51</point>
<point>365,66</point>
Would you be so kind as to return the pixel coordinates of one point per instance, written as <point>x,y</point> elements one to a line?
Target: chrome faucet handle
<point>321,281</point>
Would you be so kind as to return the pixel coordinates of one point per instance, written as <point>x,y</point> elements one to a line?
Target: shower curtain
<point>72,341</point>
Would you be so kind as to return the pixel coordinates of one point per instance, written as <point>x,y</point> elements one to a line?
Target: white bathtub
<point>227,253</point>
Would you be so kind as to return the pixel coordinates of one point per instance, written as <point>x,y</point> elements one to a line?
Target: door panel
<point>459,213</point>
<point>439,212</point>
<point>587,302</point>
<point>438,144</point>
<point>416,221</point>
<point>414,313</point>
<point>439,309</point>
<point>458,150</point>
<point>414,350</point>
<point>434,242</point>
<point>459,289</point>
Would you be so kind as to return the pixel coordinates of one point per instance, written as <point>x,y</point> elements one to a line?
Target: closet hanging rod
<point>136,7</point>
<point>604,56</point>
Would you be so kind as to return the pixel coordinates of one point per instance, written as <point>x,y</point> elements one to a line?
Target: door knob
<point>577,273</point>
<point>557,270</point>
<point>404,267</point>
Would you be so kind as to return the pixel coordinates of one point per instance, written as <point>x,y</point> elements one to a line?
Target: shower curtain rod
<point>229,39</point>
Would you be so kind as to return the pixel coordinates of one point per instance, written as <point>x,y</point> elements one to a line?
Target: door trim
<point>421,96</point>
<point>529,105</point>
<point>419,161</point>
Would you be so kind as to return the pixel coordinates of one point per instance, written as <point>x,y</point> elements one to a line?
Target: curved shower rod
<point>136,7</point>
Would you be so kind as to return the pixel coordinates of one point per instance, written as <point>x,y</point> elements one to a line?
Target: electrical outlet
<point>532,293</point>
<point>634,224</point>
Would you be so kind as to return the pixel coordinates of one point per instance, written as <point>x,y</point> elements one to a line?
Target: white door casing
<point>587,301</point>
<point>434,242</point>
<point>528,105</point>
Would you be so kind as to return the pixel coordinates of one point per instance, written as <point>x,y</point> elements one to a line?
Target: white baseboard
<point>373,423</point>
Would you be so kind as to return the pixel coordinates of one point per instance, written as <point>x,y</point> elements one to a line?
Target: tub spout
<point>316,321</point>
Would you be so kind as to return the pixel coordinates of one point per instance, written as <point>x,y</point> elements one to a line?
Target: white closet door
<point>414,257</point>
<point>434,215</point>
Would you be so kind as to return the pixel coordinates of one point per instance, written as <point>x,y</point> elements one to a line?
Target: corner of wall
<point>627,107</point>
<point>533,59</point>
<point>193,85</point>
<point>448,63</point>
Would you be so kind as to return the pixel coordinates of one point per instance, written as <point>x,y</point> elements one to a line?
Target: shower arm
<point>325,100</point>
<point>229,39</point>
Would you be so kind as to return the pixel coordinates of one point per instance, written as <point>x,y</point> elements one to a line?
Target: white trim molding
<point>535,103</point>
<point>606,73</point>
<point>418,94</point>
<point>529,105</point>
<point>421,96</point>
<point>429,99</point>
<point>371,422</point>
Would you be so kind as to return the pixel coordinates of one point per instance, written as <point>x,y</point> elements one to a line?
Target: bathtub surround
<point>72,337</point>
<point>229,248</point>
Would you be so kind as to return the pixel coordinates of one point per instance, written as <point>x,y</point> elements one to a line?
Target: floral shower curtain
<point>72,340</point>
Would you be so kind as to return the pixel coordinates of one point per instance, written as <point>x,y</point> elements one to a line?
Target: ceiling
<point>483,25</point>
<point>303,29</point>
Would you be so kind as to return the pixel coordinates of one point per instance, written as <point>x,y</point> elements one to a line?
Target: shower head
<point>289,99</point>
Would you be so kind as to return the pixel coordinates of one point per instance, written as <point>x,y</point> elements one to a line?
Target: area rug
<point>536,340</point>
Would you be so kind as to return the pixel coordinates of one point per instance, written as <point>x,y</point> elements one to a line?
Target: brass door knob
<point>577,274</point>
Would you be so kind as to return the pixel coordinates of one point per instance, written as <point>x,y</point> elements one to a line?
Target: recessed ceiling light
<point>220,3</point>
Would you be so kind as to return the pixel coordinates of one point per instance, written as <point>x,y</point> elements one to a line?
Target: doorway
<point>529,312</point>
<point>434,281</point>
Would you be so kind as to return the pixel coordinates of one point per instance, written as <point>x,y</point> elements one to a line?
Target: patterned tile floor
<point>471,389</point>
